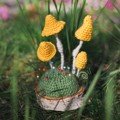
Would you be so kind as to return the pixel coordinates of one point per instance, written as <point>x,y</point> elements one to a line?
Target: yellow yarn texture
<point>85,31</point>
<point>52,26</point>
<point>46,51</point>
<point>81,60</point>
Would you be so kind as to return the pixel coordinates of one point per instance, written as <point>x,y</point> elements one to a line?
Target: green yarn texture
<point>58,84</point>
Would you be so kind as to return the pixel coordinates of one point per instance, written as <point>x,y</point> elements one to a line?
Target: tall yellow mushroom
<point>80,61</point>
<point>53,27</point>
<point>84,33</point>
<point>46,51</point>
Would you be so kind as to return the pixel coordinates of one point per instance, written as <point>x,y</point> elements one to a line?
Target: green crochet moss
<point>58,84</point>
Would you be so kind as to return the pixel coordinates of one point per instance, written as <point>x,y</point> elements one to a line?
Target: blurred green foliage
<point>19,39</point>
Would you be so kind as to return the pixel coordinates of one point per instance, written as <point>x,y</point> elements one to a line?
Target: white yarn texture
<point>74,54</point>
<point>60,50</point>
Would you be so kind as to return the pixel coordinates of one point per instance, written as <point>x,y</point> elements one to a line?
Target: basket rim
<point>79,92</point>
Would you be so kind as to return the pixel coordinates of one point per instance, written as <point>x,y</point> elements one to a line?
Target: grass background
<point>19,39</point>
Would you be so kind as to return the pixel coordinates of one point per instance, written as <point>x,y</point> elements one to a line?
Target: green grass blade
<point>14,97</point>
<point>27,110</point>
<point>14,88</point>
<point>101,11</point>
<point>68,42</point>
<point>117,40</point>
<point>80,14</point>
<point>89,92</point>
<point>55,4</point>
<point>67,31</point>
<point>60,8</point>
<point>74,15</point>
<point>109,98</point>
<point>117,28</point>
<point>64,10</point>
<point>48,6</point>
<point>26,23</point>
<point>115,72</point>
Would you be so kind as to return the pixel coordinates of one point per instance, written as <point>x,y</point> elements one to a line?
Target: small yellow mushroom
<point>81,61</point>
<point>52,26</point>
<point>84,33</point>
<point>46,51</point>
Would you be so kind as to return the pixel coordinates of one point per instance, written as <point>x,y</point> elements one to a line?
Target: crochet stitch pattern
<point>46,51</point>
<point>58,84</point>
<point>81,60</point>
<point>85,31</point>
<point>52,26</point>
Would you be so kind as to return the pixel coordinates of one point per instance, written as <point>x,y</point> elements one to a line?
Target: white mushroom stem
<point>74,54</point>
<point>60,50</point>
<point>51,64</point>
<point>78,71</point>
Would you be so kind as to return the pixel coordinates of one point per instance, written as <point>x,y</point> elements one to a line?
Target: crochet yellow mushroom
<point>81,61</point>
<point>46,51</point>
<point>52,26</point>
<point>84,33</point>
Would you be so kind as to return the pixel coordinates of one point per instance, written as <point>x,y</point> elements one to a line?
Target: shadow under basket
<point>62,103</point>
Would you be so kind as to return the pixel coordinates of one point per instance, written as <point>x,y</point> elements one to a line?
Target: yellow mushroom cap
<point>81,60</point>
<point>46,51</point>
<point>52,26</point>
<point>85,31</point>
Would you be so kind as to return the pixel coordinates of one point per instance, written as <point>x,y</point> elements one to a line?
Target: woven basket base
<point>61,104</point>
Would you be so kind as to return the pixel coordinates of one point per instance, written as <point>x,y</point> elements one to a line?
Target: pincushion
<point>56,83</point>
